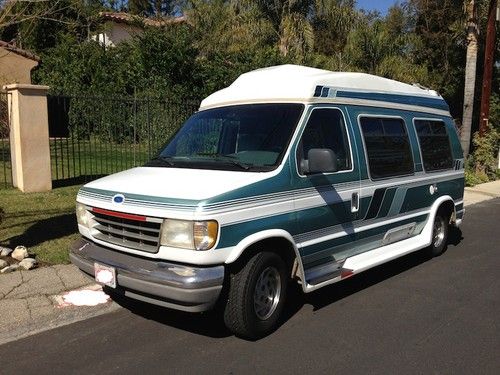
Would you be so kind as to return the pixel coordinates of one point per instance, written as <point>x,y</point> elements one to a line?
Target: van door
<point>326,204</point>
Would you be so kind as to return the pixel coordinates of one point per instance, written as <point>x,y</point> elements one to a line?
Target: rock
<point>19,253</point>
<point>3,264</point>
<point>8,269</point>
<point>5,251</point>
<point>28,263</point>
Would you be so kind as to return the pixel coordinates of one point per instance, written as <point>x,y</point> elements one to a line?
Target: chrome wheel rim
<point>439,231</point>
<point>267,293</point>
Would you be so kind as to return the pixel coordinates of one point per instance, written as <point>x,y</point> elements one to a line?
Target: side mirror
<point>321,160</point>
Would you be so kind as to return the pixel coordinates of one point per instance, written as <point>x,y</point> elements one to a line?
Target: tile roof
<point>22,52</point>
<point>122,17</point>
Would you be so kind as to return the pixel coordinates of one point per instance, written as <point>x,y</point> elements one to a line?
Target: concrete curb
<point>29,299</point>
<point>482,192</point>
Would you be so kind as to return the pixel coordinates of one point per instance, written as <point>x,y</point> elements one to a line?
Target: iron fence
<point>95,136</point>
<point>5,162</point>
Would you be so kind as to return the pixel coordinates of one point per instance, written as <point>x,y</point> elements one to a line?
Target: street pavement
<point>412,315</point>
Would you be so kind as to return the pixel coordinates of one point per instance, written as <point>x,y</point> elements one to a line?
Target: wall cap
<point>25,86</point>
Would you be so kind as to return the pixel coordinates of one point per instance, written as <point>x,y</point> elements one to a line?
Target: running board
<point>333,272</point>
<point>324,272</point>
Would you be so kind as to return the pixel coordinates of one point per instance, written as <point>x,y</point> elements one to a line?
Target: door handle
<point>355,202</point>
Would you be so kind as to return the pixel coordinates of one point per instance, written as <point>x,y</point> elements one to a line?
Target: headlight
<point>82,216</point>
<point>193,235</point>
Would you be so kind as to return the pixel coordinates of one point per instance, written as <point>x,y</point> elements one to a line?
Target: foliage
<point>418,41</point>
<point>482,165</point>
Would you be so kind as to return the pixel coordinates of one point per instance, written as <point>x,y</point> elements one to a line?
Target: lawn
<point>77,161</point>
<point>43,222</point>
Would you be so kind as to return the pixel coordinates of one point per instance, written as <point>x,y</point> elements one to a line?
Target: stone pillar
<point>29,137</point>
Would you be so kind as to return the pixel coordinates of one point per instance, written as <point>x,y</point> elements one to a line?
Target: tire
<point>256,296</point>
<point>440,232</point>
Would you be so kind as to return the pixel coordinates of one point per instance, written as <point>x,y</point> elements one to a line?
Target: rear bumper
<point>177,286</point>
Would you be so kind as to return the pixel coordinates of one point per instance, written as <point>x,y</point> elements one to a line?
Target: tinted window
<point>387,146</point>
<point>326,129</point>
<point>434,144</point>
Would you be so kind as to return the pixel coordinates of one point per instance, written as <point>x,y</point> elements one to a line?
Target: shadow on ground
<point>207,324</point>
<point>46,230</point>
<point>211,324</point>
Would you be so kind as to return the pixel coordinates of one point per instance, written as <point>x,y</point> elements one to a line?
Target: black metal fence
<point>5,162</point>
<point>95,136</point>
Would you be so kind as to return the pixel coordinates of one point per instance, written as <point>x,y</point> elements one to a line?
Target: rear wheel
<point>256,296</point>
<point>440,231</point>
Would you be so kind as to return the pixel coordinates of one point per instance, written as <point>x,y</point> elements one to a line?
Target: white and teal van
<point>291,174</point>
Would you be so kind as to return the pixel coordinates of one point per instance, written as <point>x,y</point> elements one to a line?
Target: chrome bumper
<point>181,287</point>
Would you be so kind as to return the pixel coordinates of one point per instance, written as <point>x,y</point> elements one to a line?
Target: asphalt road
<point>412,315</point>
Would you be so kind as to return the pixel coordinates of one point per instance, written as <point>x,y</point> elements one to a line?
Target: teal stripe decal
<point>386,203</point>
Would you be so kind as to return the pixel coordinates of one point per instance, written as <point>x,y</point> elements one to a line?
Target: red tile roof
<point>128,18</point>
<point>22,52</point>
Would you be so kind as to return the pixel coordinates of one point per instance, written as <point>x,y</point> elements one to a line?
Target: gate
<point>94,136</point>
<point>5,160</point>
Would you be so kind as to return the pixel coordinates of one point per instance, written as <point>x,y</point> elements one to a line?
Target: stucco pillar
<point>29,137</point>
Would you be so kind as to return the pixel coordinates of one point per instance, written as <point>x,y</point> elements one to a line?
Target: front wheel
<point>256,296</point>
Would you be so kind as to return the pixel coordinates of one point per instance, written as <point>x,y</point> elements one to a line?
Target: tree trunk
<point>470,76</point>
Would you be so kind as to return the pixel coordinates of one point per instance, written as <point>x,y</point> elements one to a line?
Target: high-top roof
<point>293,82</point>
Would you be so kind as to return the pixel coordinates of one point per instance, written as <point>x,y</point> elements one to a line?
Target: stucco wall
<point>15,68</point>
<point>115,33</point>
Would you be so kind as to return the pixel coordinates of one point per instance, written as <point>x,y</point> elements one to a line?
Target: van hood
<point>176,183</point>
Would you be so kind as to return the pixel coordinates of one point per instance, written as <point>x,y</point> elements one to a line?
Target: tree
<point>333,20</point>
<point>470,75</point>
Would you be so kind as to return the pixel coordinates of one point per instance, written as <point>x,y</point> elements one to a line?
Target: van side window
<point>387,147</point>
<point>434,144</point>
<point>326,129</point>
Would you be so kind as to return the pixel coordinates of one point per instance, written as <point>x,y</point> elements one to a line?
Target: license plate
<point>105,275</point>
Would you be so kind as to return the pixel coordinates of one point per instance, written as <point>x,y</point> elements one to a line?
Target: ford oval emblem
<point>118,199</point>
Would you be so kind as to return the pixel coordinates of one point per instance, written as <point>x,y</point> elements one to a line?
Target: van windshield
<point>252,137</point>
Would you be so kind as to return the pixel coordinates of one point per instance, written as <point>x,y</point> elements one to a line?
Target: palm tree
<point>470,74</point>
<point>291,23</point>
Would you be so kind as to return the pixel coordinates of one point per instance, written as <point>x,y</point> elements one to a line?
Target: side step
<point>324,272</point>
<point>332,272</point>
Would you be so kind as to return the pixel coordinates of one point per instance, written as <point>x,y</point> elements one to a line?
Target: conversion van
<point>290,174</point>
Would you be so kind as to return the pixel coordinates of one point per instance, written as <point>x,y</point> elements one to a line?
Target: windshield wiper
<point>162,159</point>
<point>226,158</point>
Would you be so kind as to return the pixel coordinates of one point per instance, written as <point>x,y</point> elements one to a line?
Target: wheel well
<point>448,207</point>
<point>278,245</point>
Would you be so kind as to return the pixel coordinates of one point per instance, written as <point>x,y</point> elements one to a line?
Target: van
<point>290,174</point>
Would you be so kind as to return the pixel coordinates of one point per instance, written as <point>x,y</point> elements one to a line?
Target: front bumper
<point>177,286</point>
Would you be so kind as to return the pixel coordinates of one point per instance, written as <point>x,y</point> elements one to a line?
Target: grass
<point>82,160</point>
<point>43,222</point>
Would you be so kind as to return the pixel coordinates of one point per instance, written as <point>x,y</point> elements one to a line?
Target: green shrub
<point>482,164</point>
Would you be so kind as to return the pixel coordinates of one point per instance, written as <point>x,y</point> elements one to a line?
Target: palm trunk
<point>470,76</point>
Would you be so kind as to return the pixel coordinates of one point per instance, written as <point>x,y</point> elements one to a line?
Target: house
<point>16,64</point>
<point>119,27</point>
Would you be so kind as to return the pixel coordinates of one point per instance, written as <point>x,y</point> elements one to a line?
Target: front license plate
<point>105,275</point>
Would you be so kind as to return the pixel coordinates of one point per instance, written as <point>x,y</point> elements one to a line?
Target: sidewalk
<point>482,192</point>
<point>33,301</point>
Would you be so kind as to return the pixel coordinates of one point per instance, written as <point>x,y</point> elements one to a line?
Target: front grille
<point>134,234</point>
